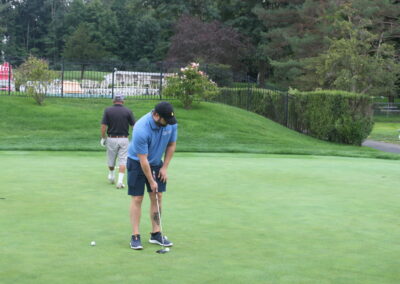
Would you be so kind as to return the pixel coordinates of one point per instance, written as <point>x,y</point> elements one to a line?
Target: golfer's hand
<point>154,186</point>
<point>103,142</point>
<point>162,175</point>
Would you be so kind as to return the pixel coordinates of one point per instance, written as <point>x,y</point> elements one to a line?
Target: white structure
<point>136,79</point>
<point>4,85</point>
<point>126,83</point>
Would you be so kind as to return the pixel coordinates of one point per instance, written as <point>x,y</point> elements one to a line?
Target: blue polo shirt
<point>151,139</point>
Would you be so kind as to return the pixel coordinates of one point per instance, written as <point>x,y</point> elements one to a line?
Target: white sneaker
<point>111,179</point>
<point>120,185</point>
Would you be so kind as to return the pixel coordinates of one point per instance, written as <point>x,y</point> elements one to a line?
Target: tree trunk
<point>82,71</point>
<point>262,67</point>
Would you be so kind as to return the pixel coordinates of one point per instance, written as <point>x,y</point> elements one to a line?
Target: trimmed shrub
<point>334,116</point>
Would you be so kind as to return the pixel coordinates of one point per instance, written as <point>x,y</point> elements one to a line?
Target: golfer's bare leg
<point>135,213</point>
<point>122,169</point>
<point>155,218</point>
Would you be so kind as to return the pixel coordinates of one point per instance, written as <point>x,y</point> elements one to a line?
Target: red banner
<point>5,71</point>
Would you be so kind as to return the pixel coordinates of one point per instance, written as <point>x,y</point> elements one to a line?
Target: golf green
<point>234,218</point>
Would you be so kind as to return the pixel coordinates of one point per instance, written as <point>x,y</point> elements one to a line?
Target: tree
<point>241,16</point>
<point>57,28</point>
<point>32,27</point>
<point>298,32</point>
<point>167,13</point>
<point>8,27</point>
<point>3,27</point>
<point>81,49</point>
<point>102,25</point>
<point>357,59</point>
<point>295,31</point>
<point>210,42</point>
<point>140,34</point>
<point>34,73</point>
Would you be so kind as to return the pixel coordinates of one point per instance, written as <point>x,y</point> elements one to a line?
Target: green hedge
<point>334,116</point>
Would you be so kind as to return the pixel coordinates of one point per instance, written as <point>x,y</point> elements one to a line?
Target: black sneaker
<point>135,242</point>
<point>156,239</point>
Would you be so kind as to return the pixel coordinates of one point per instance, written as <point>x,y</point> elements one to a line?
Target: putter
<point>163,250</point>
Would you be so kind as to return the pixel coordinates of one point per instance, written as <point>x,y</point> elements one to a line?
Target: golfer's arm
<point>103,131</point>
<point>169,152</point>
<point>144,163</point>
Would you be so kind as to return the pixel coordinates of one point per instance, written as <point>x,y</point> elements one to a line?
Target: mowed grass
<point>87,75</point>
<point>74,125</point>
<point>386,132</point>
<point>234,218</point>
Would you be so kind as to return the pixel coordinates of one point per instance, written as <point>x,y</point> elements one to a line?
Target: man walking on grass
<point>154,135</point>
<point>114,134</point>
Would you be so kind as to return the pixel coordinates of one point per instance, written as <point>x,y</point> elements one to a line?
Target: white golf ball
<point>93,243</point>
<point>166,249</point>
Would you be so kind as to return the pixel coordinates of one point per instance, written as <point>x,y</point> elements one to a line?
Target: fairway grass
<point>234,218</point>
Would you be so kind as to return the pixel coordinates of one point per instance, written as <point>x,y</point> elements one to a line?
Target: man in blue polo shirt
<point>153,135</point>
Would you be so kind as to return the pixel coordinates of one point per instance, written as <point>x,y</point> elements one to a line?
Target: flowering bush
<point>190,84</point>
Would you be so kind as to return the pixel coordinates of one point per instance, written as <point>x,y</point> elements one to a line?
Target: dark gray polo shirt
<point>118,118</point>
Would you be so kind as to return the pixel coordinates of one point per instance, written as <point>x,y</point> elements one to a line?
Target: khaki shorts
<point>117,147</point>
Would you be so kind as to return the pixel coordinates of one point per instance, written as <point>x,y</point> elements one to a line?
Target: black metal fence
<point>100,80</point>
<point>270,102</point>
<point>94,80</point>
<point>147,80</point>
<point>387,110</point>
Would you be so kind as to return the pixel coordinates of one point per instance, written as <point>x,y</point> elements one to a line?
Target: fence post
<point>287,109</point>
<point>9,77</point>
<point>161,80</point>
<point>112,82</point>
<point>248,92</point>
<point>62,78</point>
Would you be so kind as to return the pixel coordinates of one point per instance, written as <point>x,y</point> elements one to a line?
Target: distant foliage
<point>340,41</point>
<point>34,73</point>
<point>82,49</point>
<point>219,73</point>
<point>190,84</point>
<point>210,42</point>
<point>354,62</point>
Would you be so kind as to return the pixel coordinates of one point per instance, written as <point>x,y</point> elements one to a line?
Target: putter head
<point>162,251</point>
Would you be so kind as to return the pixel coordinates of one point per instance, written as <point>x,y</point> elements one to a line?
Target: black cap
<point>166,111</point>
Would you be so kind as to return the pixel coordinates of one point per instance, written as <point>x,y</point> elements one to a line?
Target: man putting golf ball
<point>154,136</point>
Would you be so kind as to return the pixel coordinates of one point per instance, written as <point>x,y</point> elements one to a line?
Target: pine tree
<point>80,48</point>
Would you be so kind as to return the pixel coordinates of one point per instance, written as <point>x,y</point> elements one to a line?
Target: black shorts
<point>137,179</point>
